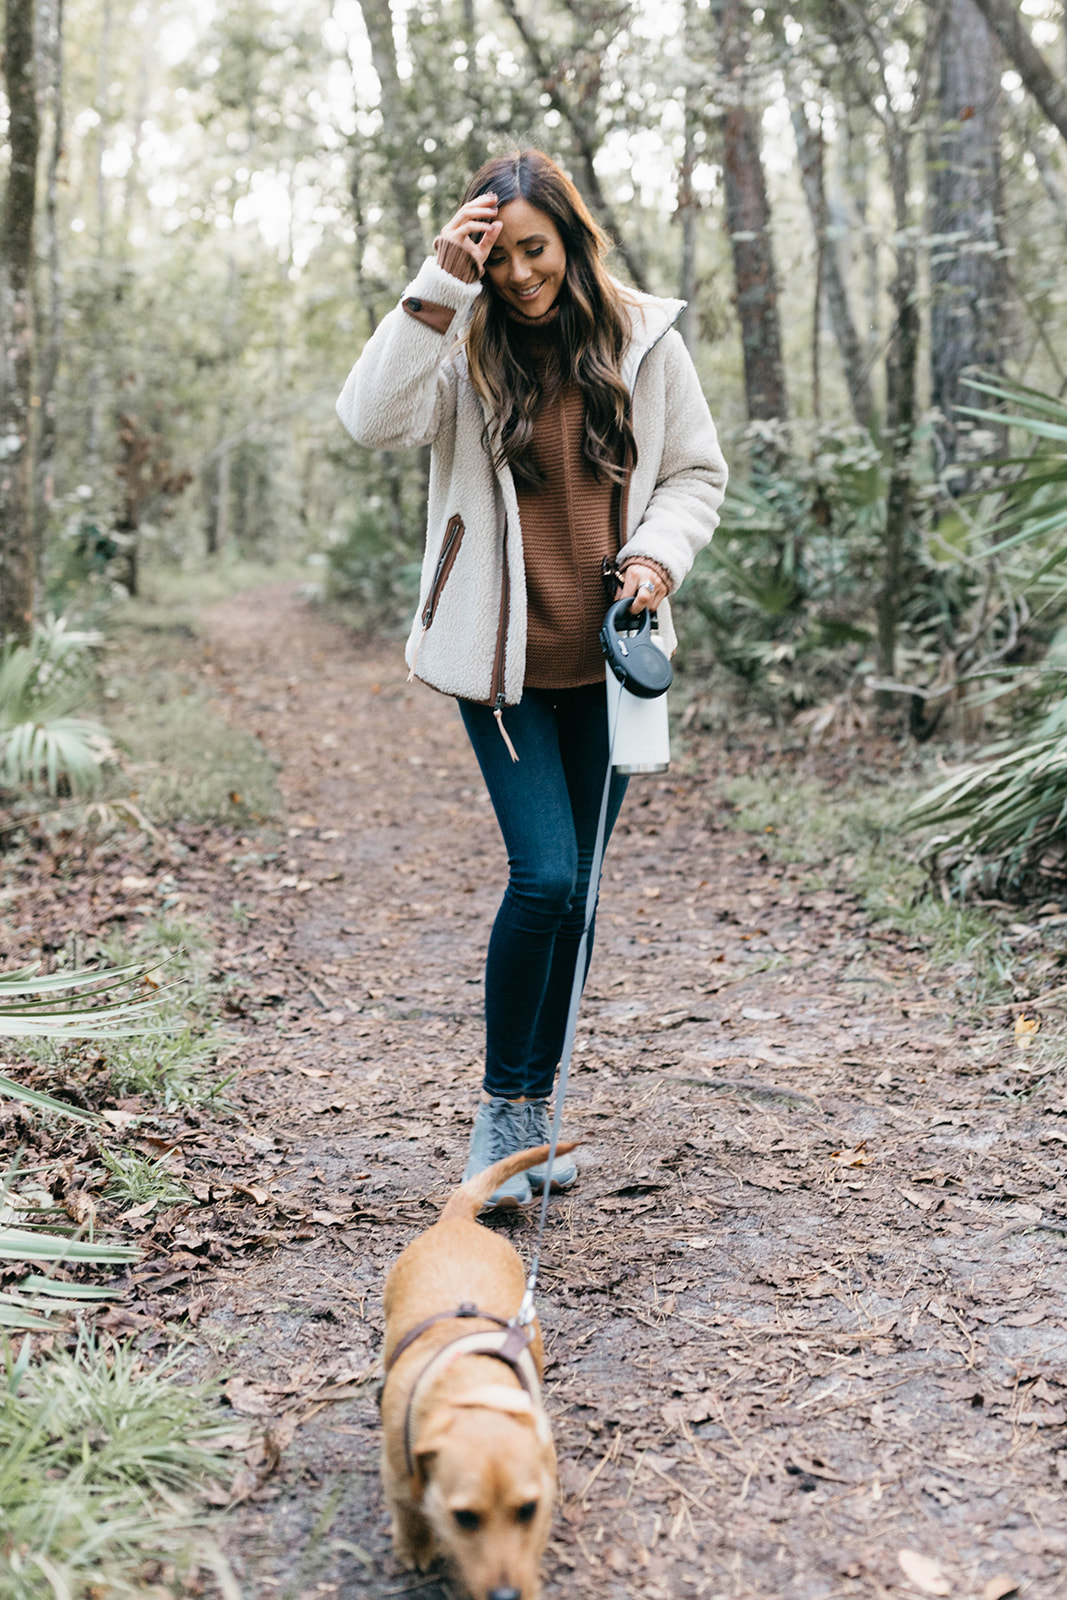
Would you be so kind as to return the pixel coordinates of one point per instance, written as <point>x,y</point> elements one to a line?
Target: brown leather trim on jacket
<point>435,316</point>
<point>457,260</point>
<point>646,561</point>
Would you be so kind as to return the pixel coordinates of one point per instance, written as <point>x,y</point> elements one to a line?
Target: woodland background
<point>207,210</point>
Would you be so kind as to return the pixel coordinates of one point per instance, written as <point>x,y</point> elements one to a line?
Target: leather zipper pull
<point>499,715</point>
<point>418,647</point>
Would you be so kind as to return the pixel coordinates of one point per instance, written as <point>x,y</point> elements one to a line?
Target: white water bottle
<point>637,725</point>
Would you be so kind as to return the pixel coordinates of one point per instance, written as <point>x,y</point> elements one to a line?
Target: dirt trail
<point>806,1308</point>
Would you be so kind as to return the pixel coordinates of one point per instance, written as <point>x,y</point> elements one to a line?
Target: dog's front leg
<point>413,1540</point>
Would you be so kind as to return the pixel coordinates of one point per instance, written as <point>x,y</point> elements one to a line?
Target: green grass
<point>171,1068</point>
<point>171,600</point>
<point>187,764</point>
<point>101,1461</point>
<point>135,1179</point>
<point>184,760</point>
<point>171,1061</point>
<point>855,836</point>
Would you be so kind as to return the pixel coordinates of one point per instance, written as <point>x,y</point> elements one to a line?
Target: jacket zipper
<point>624,497</point>
<point>445,562</point>
<point>624,494</point>
<point>501,649</point>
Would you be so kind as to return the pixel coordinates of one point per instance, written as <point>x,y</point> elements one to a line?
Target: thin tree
<point>398,144</point>
<point>17,561</point>
<point>966,261</point>
<point>748,221</point>
<point>1009,25</point>
<point>51,311</point>
<point>855,362</point>
<point>866,62</point>
<point>688,208</point>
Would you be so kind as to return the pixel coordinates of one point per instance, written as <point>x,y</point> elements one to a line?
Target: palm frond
<point>23,1244</point>
<point>25,1014</point>
<point>44,1102</point>
<point>1007,810</point>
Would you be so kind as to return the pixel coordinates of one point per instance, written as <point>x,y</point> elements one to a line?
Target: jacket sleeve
<point>683,511</point>
<point>397,392</point>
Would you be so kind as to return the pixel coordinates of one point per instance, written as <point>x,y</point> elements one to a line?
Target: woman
<point>570,439</point>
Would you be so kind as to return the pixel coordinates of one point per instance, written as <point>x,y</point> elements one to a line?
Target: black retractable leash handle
<point>643,669</point>
<point>626,640</point>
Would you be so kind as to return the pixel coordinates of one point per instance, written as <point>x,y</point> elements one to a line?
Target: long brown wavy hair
<point>593,329</point>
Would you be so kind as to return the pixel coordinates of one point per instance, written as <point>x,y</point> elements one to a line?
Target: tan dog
<point>468,1465</point>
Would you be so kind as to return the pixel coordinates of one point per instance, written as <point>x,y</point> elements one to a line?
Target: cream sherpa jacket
<point>411,387</point>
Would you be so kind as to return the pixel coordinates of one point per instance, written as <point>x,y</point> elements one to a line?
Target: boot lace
<point>505,1130</point>
<point>537,1127</point>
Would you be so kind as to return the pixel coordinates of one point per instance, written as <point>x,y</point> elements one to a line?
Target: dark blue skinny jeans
<point>547,804</point>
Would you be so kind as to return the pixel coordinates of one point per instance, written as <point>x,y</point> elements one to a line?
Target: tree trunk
<point>16,327</point>
<point>857,180</point>
<point>218,512</point>
<point>687,214</point>
<point>688,211</point>
<point>812,176</point>
<point>402,157</point>
<point>902,366</point>
<point>51,320</point>
<point>1038,77</point>
<point>966,270</point>
<point>748,221</point>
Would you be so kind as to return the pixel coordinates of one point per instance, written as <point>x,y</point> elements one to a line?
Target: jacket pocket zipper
<point>445,562</point>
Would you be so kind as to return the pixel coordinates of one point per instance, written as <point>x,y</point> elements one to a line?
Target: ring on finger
<point>651,587</point>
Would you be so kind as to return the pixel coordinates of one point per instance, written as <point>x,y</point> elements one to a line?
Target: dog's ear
<point>431,1437</point>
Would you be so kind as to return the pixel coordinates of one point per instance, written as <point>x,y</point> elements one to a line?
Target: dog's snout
<point>504,1594</point>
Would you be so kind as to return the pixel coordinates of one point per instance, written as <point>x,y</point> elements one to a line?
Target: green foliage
<point>94,1448</point>
<point>1000,823</point>
<point>170,1066</point>
<point>42,742</point>
<point>787,586</point>
<point>856,836</point>
<point>373,570</point>
<point>108,1004</point>
<point>135,1179</point>
<point>188,763</point>
<point>171,1058</point>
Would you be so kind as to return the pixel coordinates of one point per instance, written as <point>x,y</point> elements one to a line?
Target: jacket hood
<point>651,316</point>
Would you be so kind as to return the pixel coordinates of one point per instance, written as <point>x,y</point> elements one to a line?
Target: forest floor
<point>805,1312</point>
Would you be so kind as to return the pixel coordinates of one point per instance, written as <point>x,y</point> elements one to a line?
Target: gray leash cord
<point>525,1314</point>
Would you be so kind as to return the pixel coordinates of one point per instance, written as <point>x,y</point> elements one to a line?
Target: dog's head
<point>488,1470</point>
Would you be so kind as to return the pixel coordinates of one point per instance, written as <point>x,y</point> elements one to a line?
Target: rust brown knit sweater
<point>569,525</point>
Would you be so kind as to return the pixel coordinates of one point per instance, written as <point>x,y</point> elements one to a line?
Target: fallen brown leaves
<point>804,1314</point>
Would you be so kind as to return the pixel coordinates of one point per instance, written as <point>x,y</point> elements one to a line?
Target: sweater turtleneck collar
<point>545,321</point>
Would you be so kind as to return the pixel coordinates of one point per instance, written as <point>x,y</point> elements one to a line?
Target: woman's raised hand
<point>474,228</point>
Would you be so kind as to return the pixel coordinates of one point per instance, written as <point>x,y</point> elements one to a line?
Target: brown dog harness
<point>511,1344</point>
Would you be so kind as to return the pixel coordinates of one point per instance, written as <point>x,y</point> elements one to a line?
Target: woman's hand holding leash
<point>643,587</point>
<point>473,228</point>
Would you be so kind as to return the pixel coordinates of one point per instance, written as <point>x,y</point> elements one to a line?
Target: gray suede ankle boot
<point>538,1130</point>
<point>499,1130</point>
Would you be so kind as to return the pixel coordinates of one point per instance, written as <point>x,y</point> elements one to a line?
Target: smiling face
<point>528,263</point>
